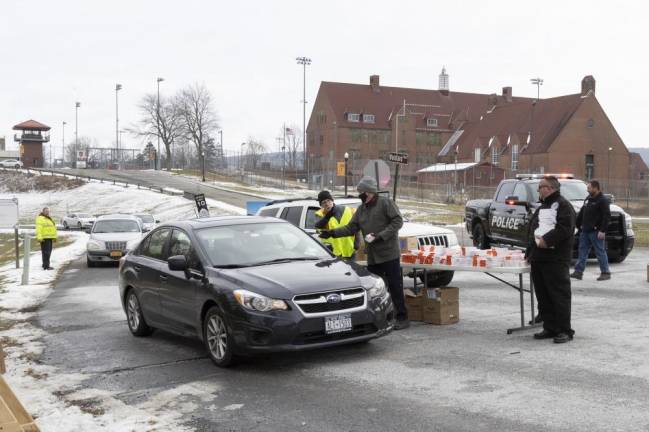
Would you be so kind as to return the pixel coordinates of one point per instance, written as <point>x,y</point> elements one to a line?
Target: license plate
<point>338,323</point>
<point>116,254</point>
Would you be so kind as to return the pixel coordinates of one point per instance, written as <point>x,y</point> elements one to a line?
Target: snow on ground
<point>41,388</point>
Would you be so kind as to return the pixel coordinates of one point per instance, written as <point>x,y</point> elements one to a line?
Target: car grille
<point>433,240</point>
<point>615,226</point>
<point>115,246</point>
<point>317,303</point>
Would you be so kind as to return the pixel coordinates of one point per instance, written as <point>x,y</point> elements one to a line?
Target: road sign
<point>8,212</point>
<point>400,158</point>
<point>383,173</point>
<point>340,169</point>
<point>201,205</point>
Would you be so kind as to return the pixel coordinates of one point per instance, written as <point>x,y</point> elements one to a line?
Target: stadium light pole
<point>118,87</point>
<point>346,156</point>
<point>77,105</point>
<point>304,61</point>
<point>157,120</point>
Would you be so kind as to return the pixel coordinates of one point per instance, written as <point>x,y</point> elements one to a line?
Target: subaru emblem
<point>333,298</point>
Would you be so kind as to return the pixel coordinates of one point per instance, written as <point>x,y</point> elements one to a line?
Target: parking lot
<point>468,376</point>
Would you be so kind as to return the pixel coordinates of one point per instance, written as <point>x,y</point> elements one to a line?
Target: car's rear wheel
<point>217,338</point>
<point>617,258</point>
<point>480,239</point>
<point>134,317</point>
<point>65,225</point>
<point>436,279</point>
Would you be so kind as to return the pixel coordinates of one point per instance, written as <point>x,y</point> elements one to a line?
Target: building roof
<point>636,161</point>
<point>442,167</point>
<point>31,125</point>
<point>450,108</point>
<point>514,121</point>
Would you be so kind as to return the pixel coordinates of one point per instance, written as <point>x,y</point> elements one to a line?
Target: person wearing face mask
<point>379,220</point>
<point>332,216</point>
<point>549,253</point>
<point>45,235</point>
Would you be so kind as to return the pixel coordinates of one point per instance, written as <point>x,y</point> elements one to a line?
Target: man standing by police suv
<point>550,256</point>
<point>379,219</point>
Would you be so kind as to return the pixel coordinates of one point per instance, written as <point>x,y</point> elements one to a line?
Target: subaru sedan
<point>246,285</point>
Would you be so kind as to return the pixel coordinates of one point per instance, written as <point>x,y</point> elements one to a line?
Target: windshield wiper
<point>231,266</point>
<point>281,260</point>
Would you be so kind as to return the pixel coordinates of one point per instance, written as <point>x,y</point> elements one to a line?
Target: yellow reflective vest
<point>342,246</point>
<point>45,228</point>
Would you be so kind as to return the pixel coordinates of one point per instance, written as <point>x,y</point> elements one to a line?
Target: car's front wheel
<point>17,166</point>
<point>480,239</point>
<point>217,338</point>
<point>65,225</point>
<point>134,317</point>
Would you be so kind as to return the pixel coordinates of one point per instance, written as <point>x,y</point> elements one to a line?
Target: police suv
<point>506,218</point>
<point>301,212</point>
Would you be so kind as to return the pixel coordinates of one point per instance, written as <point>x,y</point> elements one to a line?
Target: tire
<point>134,318</point>
<point>90,263</point>
<point>480,239</point>
<point>617,258</point>
<point>217,338</point>
<point>79,225</point>
<point>16,166</point>
<point>436,279</point>
<point>65,225</point>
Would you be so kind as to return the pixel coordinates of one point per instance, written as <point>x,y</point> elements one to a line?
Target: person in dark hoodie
<point>549,253</point>
<point>592,222</point>
<point>379,219</point>
<point>331,217</point>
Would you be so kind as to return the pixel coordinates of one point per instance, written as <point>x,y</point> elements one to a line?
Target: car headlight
<point>95,245</point>
<point>258,302</point>
<point>629,222</point>
<point>375,287</point>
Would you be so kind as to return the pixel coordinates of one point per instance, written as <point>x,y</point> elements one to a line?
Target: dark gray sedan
<point>248,285</point>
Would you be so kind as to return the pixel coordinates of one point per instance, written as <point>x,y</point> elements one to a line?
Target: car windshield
<point>146,218</point>
<point>572,190</point>
<point>84,215</point>
<point>258,244</point>
<point>116,226</point>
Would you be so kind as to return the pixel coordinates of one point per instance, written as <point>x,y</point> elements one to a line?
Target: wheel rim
<point>217,337</point>
<point>133,312</point>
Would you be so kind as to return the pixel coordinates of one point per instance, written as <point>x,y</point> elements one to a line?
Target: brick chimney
<point>374,83</point>
<point>492,100</point>
<point>587,85</point>
<point>507,94</point>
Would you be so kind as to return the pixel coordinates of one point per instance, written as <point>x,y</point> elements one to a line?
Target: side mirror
<point>157,221</point>
<point>513,200</point>
<point>611,198</point>
<point>177,263</point>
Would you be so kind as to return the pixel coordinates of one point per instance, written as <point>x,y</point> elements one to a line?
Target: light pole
<point>121,148</point>
<point>304,61</point>
<point>203,157</point>
<point>283,166</point>
<point>346,159</point>
<point>76,126</point>
<point>608,174</point>
<point>118,87</point>
<point>157,118</point>
<point>63,143</point>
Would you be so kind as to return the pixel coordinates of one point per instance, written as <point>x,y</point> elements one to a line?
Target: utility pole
<point>76,126</point>
<point>118,87</point>
<point>158,80</point>
<point>63,142</point>
<point>304,61</point>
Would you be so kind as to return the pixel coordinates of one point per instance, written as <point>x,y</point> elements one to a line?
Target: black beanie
<point>324,195</point>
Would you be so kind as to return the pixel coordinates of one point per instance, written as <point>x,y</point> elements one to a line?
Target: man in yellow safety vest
<point>332,217</point>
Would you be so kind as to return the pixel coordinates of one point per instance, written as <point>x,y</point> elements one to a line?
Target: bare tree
<point>293,146</point>
<point>72,149</point>
<point>166,123</point>
<point>254,150</point>
<point>199,118</point>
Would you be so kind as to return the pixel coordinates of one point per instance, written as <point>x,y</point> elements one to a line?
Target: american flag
<point>289,131</point>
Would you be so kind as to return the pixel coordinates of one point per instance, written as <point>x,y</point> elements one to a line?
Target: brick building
<point>563,134</point>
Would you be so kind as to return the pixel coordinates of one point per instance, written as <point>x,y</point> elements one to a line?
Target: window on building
<point>477,155</point>
<point>353,117</point>
<point>590,166</point>
<point>431,122</point>
<point>514,157</point>
<point>368,118</point>
<point>495,156</point>
<point>590,123</point>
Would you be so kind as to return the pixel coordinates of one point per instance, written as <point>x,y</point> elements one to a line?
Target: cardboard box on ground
<point>434,305</point>
<point>405,243</point>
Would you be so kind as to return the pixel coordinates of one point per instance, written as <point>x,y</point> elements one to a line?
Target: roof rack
<point>540,176</point>
<point>285,200</point>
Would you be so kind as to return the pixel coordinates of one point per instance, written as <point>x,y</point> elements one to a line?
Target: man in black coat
<point>592,222</point>
<point>549,253</point>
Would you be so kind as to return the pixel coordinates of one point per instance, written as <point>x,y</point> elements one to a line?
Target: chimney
<point>507,94</point>
<point>443,82</point>
<point>492,100</point>
<point>587,85</point>
<point>374,83</point>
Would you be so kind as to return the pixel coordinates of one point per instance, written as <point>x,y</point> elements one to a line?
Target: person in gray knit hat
<point>379,219</point>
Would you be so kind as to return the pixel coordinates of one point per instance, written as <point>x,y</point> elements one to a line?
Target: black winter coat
<point>595,214</point>
<point>561,238</point>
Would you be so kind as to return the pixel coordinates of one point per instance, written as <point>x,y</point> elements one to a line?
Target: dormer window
<point>368,118</point>
<point>353,117</point>
<point>431,122</point>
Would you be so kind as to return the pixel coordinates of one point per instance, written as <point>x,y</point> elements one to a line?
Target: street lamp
<point>158,81</point>
<point>203,157</point>
<point>120,145</point>
<point>608,174</point>
<point>346,159</point>
<point>118,87</point>
<point>304,61</point>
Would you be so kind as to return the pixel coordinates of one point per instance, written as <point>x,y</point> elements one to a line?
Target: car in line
<point>301,213</point>
<point>112,237</point>
<point>148,221</point>
<point>247,285</point>
<point>11,163</point>
<point>78,220</point>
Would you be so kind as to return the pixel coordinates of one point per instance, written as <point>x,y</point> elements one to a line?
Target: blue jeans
<point>586,240</point>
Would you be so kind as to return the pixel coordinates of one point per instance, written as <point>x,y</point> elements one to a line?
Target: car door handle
<point>163,278</point>
<point>509,211</point>
<point>137,268</point>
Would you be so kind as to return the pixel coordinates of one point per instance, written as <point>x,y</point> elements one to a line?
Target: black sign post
<point>201,205</point>
<point>399,159</point>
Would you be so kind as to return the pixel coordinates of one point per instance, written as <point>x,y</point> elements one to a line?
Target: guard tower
<point>31,138</point>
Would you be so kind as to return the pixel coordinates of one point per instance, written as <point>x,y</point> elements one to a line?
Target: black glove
<point>325,234</point>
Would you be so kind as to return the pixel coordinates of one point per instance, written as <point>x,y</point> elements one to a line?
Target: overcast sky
<point>57,52</point>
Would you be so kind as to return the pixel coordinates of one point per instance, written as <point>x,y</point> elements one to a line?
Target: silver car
<point>78,220</point>
<point>112,237</point>
<point>148,221</point>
